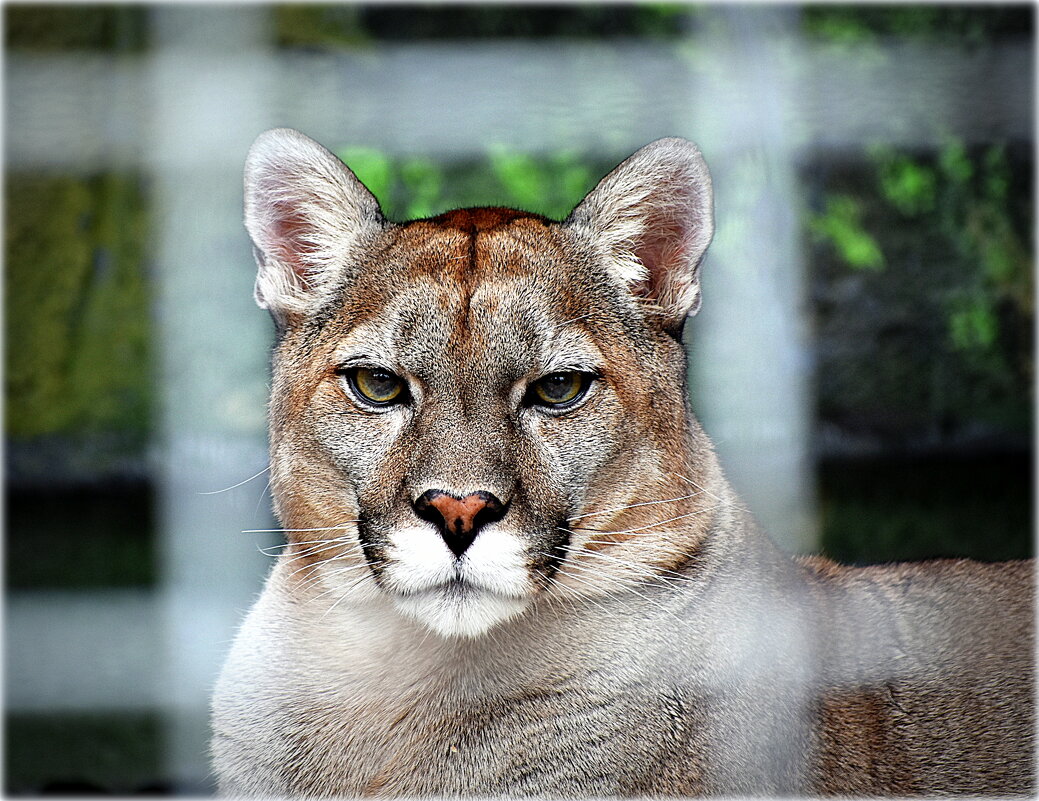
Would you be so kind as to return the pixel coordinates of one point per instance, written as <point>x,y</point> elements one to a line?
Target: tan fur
<point>623,628</point>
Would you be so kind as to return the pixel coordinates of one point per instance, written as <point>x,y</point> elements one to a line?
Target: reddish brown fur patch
<point>482,219</point>
<point>436,248</point>
<point>859,753</point>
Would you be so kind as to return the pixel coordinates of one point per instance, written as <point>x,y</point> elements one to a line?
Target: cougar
<point>513,565</point>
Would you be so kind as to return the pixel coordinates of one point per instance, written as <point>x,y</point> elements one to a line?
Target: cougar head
<point>475,410</point>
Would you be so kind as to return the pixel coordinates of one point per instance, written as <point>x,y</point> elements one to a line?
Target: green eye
<point>559,389</point>
<point>379,387</point>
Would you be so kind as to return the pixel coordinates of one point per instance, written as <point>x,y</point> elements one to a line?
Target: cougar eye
<point>376,386</point>
<point>559,389</point>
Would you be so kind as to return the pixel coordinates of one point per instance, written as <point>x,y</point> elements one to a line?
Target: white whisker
<point>262,493</point>
<point>284,546</point>
<point>704,489</point>
<point>343,525</point>
<point>647,571</point>
<point>574,319</point>
<point>629,588</point>
<point>308,552</point>
<point>341,598</point>
<point>326,561</point>
<point>649,525</point>
<point>318,576</point>
<point>570,593</point>
<point>636,530</point>
<point>233,486</point>
<point>632,506</point>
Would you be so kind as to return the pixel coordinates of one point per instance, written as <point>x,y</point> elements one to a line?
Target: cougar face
<point>465,409</point>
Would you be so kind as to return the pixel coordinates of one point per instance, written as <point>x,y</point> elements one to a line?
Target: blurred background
<point>864,359</point>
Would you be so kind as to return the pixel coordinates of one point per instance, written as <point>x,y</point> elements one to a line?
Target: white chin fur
<point>459,610</point>
<point>457,599</point>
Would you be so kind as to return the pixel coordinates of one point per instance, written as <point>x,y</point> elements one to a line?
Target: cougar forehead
<point>481,305</point>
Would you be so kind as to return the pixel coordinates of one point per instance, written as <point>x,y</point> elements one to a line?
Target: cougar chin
<point>459,609</point>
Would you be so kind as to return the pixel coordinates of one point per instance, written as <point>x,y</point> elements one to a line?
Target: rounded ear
<point>653,218</point>
<point>309,219</point>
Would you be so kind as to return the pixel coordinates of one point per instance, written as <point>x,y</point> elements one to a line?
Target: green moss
<point>48,258</point>
<point>76,307</point>
<point>372,167</point>
<point>840,225</point>
<point>338,26</point>
<point>318,27</point>
<point>938,343</point>
<point>424,185</point>
<point>74,27</point>
<point>973,25</point>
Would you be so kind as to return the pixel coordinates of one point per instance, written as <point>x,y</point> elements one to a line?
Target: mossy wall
<point>77,308</point>
<point>928,341</point>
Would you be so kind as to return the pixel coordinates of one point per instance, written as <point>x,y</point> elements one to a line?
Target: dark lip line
<point>450,584</point>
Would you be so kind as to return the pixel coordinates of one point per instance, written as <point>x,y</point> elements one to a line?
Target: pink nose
<point>458,514</point>
<point>458,519</point>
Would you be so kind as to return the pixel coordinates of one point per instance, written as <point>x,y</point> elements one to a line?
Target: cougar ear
<point>653,218</point>
<point>309,219</point>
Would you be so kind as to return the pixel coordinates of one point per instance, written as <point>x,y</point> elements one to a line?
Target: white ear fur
<point>653,218</point>
<point>308,216</point>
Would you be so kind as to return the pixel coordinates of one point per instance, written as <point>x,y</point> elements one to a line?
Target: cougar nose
<point>458,520</point>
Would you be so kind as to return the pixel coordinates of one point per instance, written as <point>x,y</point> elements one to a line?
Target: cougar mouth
<point>465,594</point>
<point>459,608</point>
<point>458,588</point>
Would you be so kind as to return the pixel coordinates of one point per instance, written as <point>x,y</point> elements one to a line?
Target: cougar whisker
<point>633,505</point>
<point>351,549</point>
<point>346,593</point>
<point>345,570</point>
<point>327,560</point>
<point>647,526</point>
<point>574,596</point>
<point>722,501</point>
<point>259,498</point>
<point>235,486</point>
<point>342,526</point>
<point>628,586</point>
<point>645,570</point>
<point>284,546</point>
